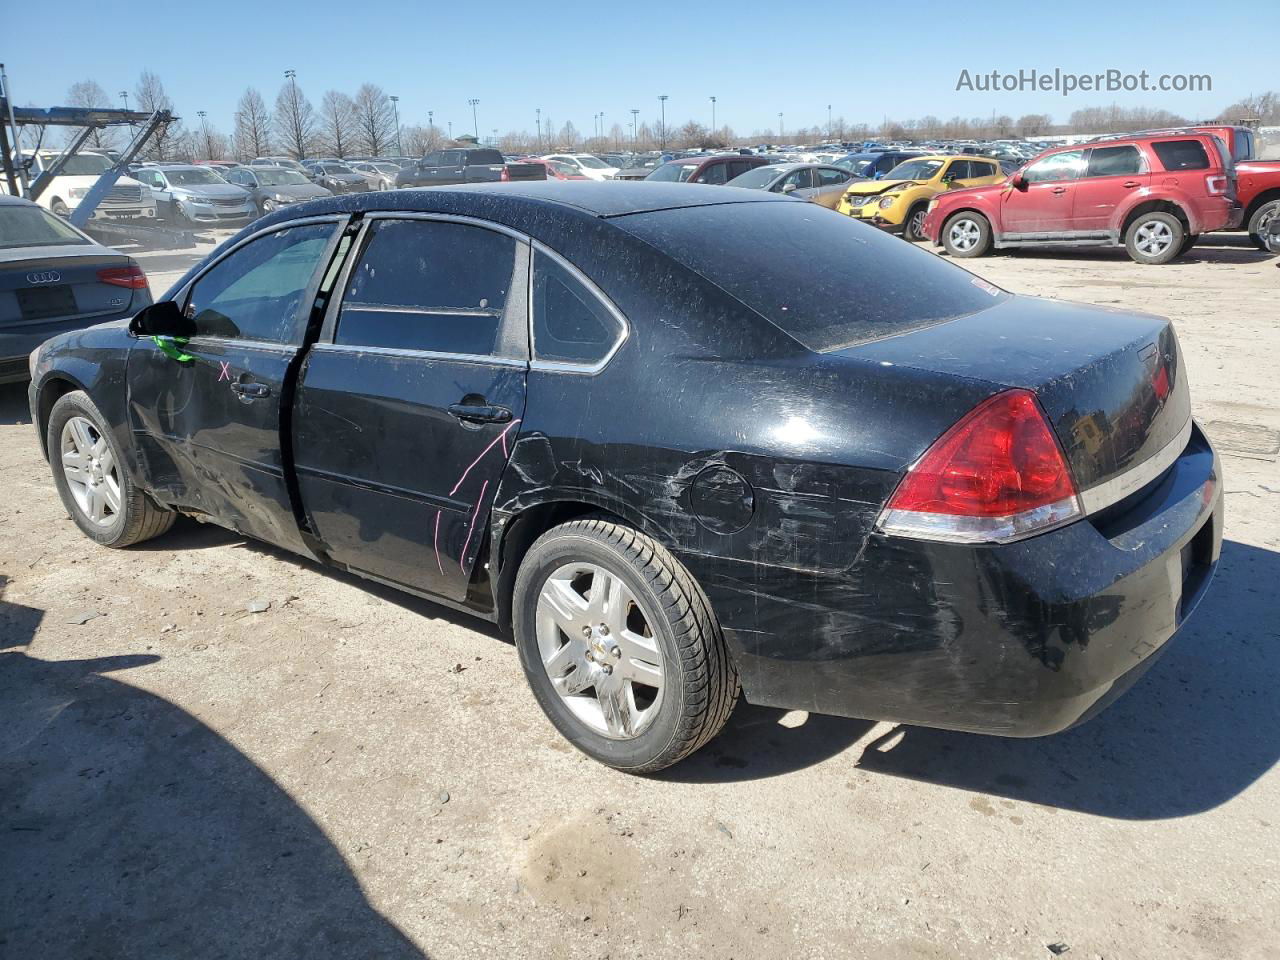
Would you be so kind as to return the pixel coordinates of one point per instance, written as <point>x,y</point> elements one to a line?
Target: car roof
<point>504,202</point>
<point>6,200</point>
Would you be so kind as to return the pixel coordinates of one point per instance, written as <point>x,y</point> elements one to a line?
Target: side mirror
<point>163,319</point>
<point>1017,181</point>
<point>789,188</point>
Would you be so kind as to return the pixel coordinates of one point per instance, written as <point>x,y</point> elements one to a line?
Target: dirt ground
<point>355,773</point>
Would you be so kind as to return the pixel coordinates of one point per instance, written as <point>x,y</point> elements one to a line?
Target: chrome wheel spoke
<point>97,504</point>
<point>564,604</point>
<point>572,654</point>
<point>111,494</point>
<point>575,682</point>
<point>615,705</point>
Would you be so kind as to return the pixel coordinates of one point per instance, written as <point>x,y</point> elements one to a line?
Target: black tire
<point>1168,229</point>
<point>912,230</point>
<point>138,518</point>
<point>700,683</point>
<point>954,246</point>
<point>1187,243</point>
<point>59,209</point>
<point>1260,218</point>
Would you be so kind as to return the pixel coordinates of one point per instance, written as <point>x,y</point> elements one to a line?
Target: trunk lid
<point>60,285</point>
<point>1112,383</point>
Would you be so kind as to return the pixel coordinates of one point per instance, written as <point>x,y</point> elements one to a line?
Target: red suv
<point>1153,194</point>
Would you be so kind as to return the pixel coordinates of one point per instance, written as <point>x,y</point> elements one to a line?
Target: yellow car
<point>898,202</point>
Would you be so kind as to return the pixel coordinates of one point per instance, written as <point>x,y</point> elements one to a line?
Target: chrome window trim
<point>562,366</point>
<point>420,354</point>
<point>239,343</point>
<point>1110,492</point>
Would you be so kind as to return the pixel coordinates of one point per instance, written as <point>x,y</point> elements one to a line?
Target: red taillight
<point>997,475</point>
<point>505,175</point>
<point>130,276</point>
<point>1216,185</point>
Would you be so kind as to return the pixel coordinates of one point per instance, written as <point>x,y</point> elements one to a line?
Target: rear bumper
<point>1021,640</point>
<point>16,343</point>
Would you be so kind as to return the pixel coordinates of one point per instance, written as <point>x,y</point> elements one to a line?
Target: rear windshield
<point>1181,154</point>
<point>477,157</point>
<point>825,279</point>
<point>23,226</point>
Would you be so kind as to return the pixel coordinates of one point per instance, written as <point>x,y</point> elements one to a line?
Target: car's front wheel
<point>620,646</point>
<point>1154,238</point>
<point>88,470</point>
<point>913,227</point>
<point>1259,220</point>
<point>966,235</point>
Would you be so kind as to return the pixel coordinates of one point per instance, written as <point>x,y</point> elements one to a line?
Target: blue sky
<point>574,59</point>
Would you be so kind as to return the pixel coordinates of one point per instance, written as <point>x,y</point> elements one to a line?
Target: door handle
<point>251,391</point>
<point>1059,190</point>
<point>1131,183</point>
<point>479,413</point>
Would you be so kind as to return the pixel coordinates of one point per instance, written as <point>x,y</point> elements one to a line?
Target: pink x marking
<point>225,373</point>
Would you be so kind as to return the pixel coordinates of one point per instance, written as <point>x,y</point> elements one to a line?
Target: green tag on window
<point>171,347</point>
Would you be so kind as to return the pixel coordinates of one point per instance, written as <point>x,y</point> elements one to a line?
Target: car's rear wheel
<point>1188,242</point>
<point>913,226</point>
<point>1259,220</point>
<point>966,234</point>
<point>89,472</point>
<point>620,646</point>
<point>1154,238</point>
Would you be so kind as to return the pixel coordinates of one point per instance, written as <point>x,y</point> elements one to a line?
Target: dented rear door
<point>408,408</point>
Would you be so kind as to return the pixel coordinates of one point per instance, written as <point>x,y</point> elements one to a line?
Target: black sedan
<point>831,471</point>
<point>53,279</point>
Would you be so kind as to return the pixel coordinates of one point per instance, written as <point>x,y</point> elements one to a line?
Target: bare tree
<point>149,96</point>
<point>375,122</point>
<point>569,138</point>
<point>1033,124</point>
<point>295,120</point>
<point>253,126</point>
<point>89,93</point>
<point>337,123</point>
<point>1263,106</point>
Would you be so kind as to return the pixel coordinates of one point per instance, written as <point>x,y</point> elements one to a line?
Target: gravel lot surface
<point>350,772</point>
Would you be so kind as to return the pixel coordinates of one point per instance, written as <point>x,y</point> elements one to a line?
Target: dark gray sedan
<point>822,183</point>
<point>53,279</point>
<point>274,187</point>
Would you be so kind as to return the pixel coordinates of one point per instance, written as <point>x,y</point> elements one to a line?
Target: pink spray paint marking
<point>225,372</point>
<point>438,543</point>
<point>502,437</point>
<point>462,560</point>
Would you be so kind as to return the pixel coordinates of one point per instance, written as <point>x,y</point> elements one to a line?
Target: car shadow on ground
<point>1226,249</point>
<point>1200,727</point>
<point>129,829</point>
<point>13,404</point>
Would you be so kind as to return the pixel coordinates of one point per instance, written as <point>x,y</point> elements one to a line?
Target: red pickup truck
<point>1152,194</point>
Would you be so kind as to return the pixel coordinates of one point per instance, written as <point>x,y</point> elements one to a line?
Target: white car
<point>593,168</point>
<point>127,200</point>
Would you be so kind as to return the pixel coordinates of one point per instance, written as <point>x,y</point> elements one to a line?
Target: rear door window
<point>713,173</point>
<point>571,324</point>
<point>739,167</point>
<point>1181,154</point>
<point>1114,161</point>
<point>828,177</point>
<point>256,292</point>
<point>428,285</point>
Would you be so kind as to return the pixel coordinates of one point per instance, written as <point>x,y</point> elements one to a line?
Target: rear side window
<point>256,293</point>
<point>570,322</point>
<point>1181,155</point>
<point>1114,161</point>
<point>713,173</point>
<point>428,285</point>
<point>827,281</point>
<point>483,156</point>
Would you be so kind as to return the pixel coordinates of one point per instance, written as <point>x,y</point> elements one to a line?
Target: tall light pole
<point>780,136</point>
<point>395,108</point>
<point>124,95</point>
<point>204,132</point>
<point>538,111</point>
<point>450,122</point>
<point>828,121</point>
<point>474,122</point>
<point>635,129</point>
<point>662,99</point>
<point>292,76</point>
<point>713,114</point>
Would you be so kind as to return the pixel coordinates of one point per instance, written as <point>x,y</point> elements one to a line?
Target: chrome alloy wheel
<point>599,650</point>
<point>964,234</point>
<point>1153,238</point>
<point>93,476</point>
<point>915,226</point>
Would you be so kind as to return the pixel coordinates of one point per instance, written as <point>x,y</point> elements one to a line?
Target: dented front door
<point>206,414</point>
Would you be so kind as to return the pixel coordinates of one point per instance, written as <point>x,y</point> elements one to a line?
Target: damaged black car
<point>685,444</point>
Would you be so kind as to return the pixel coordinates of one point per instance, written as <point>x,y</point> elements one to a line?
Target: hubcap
<point>90,468</point>
<point>1154,238</point>
<point>964,235</point>
<point>599,650</point>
